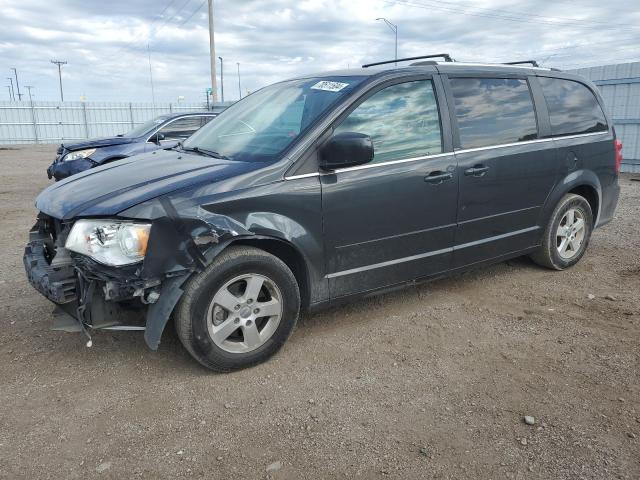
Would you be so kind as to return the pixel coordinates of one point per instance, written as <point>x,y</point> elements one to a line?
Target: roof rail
<point>523,62</point>
<point>446,56</point>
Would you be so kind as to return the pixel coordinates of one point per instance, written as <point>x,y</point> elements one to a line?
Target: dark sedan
<point>161,132</point>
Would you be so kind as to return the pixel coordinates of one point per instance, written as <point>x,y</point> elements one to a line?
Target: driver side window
<point>402,121</point>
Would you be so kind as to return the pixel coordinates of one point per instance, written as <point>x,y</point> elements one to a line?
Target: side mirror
<point>159,136</point>
<point>346,149</point>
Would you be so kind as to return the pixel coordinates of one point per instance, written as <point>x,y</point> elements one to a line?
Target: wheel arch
<point>288,253</point>
<point>581,182</point>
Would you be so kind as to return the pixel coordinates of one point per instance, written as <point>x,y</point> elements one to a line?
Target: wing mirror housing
<point>346,149</point>
<point>159,137</point>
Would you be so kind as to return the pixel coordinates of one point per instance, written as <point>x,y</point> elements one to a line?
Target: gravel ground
<point>429,382</point>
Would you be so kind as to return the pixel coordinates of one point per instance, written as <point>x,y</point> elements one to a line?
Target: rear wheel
<point>239,311</point>
<point>567,234</point>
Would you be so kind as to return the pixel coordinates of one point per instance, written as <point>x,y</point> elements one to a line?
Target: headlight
<point>111,242</point>
<point>78,154</point>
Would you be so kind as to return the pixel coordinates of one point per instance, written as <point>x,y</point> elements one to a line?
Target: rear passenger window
<point>493,111</point>
<point>402,121</point>
<point>573,108</point>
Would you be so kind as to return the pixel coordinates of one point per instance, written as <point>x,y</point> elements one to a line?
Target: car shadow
<point>171,355</point>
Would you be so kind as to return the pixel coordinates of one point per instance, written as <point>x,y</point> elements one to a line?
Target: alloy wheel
<point>244,313</point>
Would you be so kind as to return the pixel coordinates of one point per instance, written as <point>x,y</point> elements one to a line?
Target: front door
<point>391,220</point>
<point>505,170</point>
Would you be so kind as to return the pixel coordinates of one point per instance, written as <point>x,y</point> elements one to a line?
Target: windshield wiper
<point>208,153</point>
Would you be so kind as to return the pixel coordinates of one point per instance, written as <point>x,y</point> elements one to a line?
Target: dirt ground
<point>429,382</point>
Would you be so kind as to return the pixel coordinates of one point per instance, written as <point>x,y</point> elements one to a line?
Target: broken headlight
<point>111,242</point>
<point>78,154</point>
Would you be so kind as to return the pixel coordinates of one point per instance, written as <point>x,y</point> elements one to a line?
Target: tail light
<point>618,145</point>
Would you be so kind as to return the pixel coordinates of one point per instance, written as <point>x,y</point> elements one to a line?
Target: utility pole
<point>153,93</point>
<point>29,87</point>
<point>13,94</point>
<point>221,81</point>
<point>15,72</point>
<point>212,54</point>
<point>239,88</point>
<point>59,63</point>
<point>394,28</point>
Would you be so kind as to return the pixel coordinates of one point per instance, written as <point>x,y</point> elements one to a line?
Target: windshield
<point>263,125</point>
<point>146,127</point>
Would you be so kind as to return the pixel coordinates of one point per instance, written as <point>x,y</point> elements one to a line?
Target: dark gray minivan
<point>324,188</point>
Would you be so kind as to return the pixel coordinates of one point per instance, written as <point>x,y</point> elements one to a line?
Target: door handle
<point>476,171</point>
<point>438,177</point>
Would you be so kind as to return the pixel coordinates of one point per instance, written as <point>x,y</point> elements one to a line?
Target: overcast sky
<point>105,42</point>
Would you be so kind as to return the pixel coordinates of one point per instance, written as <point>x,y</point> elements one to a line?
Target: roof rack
<point>524,62</point>
<point>446,56</point>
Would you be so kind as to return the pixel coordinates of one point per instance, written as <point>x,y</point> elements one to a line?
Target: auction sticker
<point>329,86</point>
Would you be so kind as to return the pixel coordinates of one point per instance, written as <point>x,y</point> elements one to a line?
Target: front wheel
<point>239,311</point>
<point>567,234</point>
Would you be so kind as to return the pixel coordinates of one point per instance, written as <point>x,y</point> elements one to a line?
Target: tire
<point>550,254</point>
<point>204,325</point>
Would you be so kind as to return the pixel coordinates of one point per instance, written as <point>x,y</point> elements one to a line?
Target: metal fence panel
<point>620,88</point>
<point>55,122</point>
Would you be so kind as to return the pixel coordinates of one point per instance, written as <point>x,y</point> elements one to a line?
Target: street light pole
<point>212,55</point>
<point>221,81</point>
<point>9,88</point>
<point>59,63</point>
<point>15,72</point>
<point>239,87</point>
<point>394,28</point>
<point>13,94</point>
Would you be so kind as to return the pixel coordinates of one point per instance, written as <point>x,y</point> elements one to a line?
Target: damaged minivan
<point>323,189</point>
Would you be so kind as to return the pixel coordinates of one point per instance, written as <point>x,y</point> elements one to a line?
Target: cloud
<point>105,43</point>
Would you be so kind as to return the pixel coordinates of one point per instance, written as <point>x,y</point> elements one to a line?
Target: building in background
<point>620,87</point>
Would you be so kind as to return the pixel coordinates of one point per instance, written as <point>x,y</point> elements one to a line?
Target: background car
<point>161,132</point>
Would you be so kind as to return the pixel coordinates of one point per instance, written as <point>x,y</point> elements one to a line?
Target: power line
<point>510,18</point>
<point>151,33</point>
<point>516,14</point>
<point>193,13</point>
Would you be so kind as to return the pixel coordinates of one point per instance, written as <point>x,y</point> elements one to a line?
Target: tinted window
<point>573,108</point>
<point>181,128</point>
<point>493,111</point>
<point>402,120</point>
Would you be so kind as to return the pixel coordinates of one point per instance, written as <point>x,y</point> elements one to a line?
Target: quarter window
<point>493,111</point>
<point>573,108</point>
<point>402,121</point>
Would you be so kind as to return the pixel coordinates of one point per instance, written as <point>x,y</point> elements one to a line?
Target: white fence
<point>54,122</point>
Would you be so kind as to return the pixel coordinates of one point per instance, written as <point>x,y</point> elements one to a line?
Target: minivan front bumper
<point>139,296</point>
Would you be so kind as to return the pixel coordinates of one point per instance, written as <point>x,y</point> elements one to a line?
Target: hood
<point>98,142</point>
<point>116,186</point>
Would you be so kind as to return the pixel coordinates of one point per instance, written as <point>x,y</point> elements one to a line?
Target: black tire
<point>192,319</point>
<point>547,255</point>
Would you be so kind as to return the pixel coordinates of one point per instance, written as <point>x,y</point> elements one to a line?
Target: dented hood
<point>116,186</point>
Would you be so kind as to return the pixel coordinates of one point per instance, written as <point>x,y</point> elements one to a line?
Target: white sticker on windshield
<point>329,86</point>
